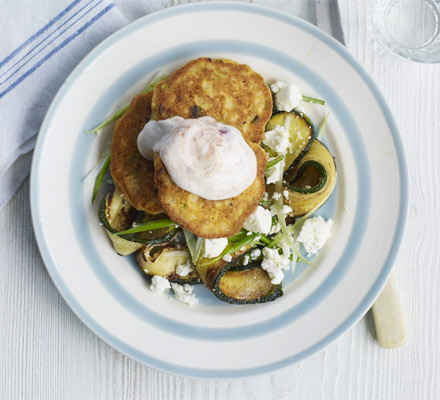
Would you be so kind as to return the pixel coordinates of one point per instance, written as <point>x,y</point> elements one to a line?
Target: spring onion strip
<point>265,240</point>
<point>200,245</point>
<point>265,203</point>
<point>292,229</point>
<point>299,222</point>
<point>118,114</point>
<point>148,226</point>
<point>233,248</point>
<point>238,236</point>
<point>93,173</point>
<point>161,75</point>
<point>268,150</point>
<point>274,162</point>
<point>313,100</point>
<point>190,242</point>
<point>100,177</point>
<point>322,126</point>
<point>282,221</point>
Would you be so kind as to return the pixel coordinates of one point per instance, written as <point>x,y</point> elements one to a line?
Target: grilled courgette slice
<point>312,181</point>
<point>301,135</point>
<point>236,283</point>
<point>116,214</point>
<point>163,259</point>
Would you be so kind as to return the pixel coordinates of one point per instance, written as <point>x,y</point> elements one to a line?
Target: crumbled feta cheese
<point>273,263</point>
<point>260,221</point>
<point>314,233</point>
<point>266,196</point>
<point>287,98</point>
<point>277,86</point>
<point>286,194</point>
<point>285,248</point>
<point>246,260</point>
<point>274,174</point>
<point>286,209</point>
<point>184,293</point>
<point>214,247</point>
<point>276,196</point>
<point>255,253</point>
<point>248,233</point>
<point>227,258</point>
<point>184,269</point>
<point>277,139</point>
<point>159,284</point>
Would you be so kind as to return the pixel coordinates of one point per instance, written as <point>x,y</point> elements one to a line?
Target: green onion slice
<point>313,100</point>
<point>148,226</point>
<point>100,177</point>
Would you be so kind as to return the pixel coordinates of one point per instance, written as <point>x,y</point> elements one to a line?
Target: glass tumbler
<point>409,28</point>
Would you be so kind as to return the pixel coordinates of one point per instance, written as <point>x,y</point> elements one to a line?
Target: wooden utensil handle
<point>388,317</point>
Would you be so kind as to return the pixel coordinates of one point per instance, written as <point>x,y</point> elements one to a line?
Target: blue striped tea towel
<point>40,43</point>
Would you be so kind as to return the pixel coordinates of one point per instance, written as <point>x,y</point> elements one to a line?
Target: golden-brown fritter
<point>231,93</point>
<point>133,174</point>
<point>209,218</point>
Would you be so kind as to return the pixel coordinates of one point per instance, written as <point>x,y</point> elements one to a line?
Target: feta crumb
<point>274,174</point>
<point>159,284</point>
<point>243,248</point>
<point>314,233</point>
<point>249,234</point>
<point>214,247</point>
<point>287,98</point>
<point>260,221</point>
<point>184,269</point>
<point>273,263</point>
<point>286,250</point>
<point>277,139</point>
<point>286,209</point>
<point>184,293</point>
<point>277,86</point>
<point>255,253</point>
<point>246,260</point>
<point>227,258</point>
<point>286,194</point>
<point>276,196</point>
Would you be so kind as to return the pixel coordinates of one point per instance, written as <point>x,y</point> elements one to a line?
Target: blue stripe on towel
<point>48,44</point>
<point>45,39</point>
<point>55,50</point>
<point>41,31</point>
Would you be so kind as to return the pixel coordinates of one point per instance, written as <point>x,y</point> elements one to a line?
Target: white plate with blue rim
<point>213,339</point>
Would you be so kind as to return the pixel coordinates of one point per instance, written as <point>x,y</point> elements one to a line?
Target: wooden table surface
<point>46,352</point>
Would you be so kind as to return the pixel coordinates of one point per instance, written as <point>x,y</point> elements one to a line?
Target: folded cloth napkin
<point>40,43</point>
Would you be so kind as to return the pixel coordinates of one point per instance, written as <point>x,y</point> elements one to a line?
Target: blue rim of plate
<point>364,305</point>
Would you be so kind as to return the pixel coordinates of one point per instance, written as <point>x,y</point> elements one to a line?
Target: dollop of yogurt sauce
<point>202,156</point>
